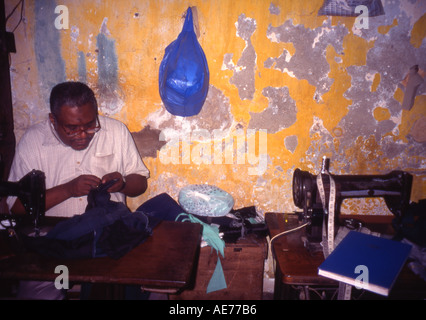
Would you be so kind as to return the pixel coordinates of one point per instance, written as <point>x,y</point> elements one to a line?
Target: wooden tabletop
<point>166,260</point>
<point>296,263</point>
<point>297,266</point>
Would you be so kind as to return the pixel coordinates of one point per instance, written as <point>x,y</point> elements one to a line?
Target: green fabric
<point>217,281</point>
<point>211,236</point>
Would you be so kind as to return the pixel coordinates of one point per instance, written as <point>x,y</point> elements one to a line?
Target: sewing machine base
<point>313,236</point>
<point>312,246</point>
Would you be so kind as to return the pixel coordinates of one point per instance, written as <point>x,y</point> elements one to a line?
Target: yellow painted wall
<point>339,82</point>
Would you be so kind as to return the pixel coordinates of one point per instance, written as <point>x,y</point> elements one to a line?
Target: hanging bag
<point>184,73</point>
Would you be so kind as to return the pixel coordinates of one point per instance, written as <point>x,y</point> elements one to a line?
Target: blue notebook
<point>365,261</point>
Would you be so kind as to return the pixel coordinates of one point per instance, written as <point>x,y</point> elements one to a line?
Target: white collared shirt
<point>111,149</point>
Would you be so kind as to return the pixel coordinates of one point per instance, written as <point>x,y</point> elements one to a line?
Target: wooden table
<point>243,268</point>
<point>296,274</point>
<point>166,260</point>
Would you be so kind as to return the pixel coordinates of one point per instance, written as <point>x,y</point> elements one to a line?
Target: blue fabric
<point>93,220</point>
<point>100,213</point>
<point>159,208</point>
<point>107,228</point>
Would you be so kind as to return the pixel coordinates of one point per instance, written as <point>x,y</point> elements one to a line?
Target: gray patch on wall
<point>244,71</point>
<point>319,147</point>
<point>281,112</point>
<point>309,60</point>
<point>360,119</point>
<point>291,143</point>
<point>418,132</point>
<point>274,9</point>
<point>47,47</point>
<point>391,57</point>
<point>215,115</point>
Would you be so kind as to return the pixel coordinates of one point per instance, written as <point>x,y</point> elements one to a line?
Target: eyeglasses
<point>74,130</point>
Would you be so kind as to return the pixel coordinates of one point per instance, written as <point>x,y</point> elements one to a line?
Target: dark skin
<point>83,117</point>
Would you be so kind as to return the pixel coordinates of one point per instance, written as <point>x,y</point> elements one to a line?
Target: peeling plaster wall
<point>286,88</point>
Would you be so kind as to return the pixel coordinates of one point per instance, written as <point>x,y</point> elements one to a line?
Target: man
<point>78,149</point>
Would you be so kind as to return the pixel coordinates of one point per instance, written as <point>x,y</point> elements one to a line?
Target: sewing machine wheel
<point>297,188</point>
<point>302,182</point>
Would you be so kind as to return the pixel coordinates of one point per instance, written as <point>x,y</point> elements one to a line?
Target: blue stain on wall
<point>108,88</point>
<point>51,66</point>
<point>81,61</point>
<point>107,64</point>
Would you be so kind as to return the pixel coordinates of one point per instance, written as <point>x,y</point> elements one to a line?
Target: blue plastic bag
<point>184,73</point>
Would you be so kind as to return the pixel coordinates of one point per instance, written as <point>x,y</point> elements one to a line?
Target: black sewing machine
<point>31,190</point>
<point>394,187</point>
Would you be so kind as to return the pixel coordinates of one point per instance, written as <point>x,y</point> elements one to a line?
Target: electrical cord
<point>282,234</point>
<point>287,232</point>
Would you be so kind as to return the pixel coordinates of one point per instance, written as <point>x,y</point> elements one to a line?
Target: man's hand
<point>132,185</point>
<point>82,185</point>
<point>119,185</point>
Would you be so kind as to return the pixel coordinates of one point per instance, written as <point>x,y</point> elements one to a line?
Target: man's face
<point>75,126</point>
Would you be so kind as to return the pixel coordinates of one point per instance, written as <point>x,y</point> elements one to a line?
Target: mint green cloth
<point>217,281</point>
<point>211,236</point>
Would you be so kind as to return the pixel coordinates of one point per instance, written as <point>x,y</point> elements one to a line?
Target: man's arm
<point>77,187</point>
<point>136,185</point>
<point>53,197</point>
<point>131,185</point>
